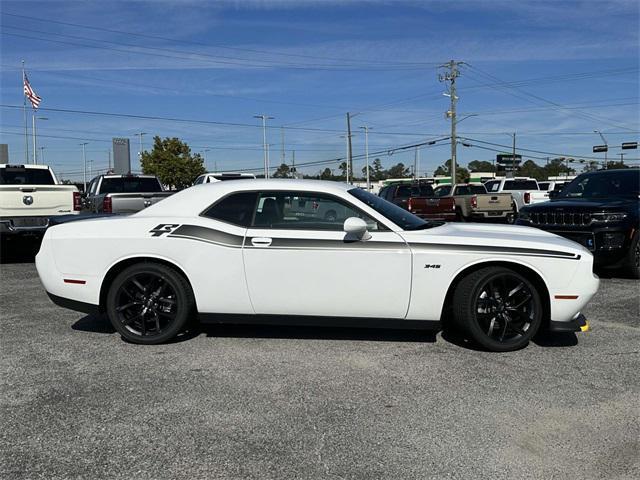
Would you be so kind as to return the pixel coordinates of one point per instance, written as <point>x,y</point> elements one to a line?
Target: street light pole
<point>41,154</point>
<point>35,137</point>
<point>366,154</point>
<point>264,142</point>
<point>204,155</point>
<point>84,165</point>
<point>140,134</point>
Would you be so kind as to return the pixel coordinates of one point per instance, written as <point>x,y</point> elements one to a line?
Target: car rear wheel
<point>498,309</point>
<point>149,303</point>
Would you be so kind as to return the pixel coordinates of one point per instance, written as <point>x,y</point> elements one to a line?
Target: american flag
<point>31,94</point>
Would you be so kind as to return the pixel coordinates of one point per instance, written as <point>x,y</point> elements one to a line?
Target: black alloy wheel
<point>149,303</point>
<point>498,308</point>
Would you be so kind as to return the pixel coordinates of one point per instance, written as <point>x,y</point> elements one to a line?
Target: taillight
<point>527,197</point>
<point>77,202</point>
<point>474,201</point>
<point>107,206</point>
<point>409,204</point>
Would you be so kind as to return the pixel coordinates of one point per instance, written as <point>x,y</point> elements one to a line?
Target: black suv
<point>600,210</point>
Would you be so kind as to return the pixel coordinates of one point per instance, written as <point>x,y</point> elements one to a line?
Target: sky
<point>553,72</point>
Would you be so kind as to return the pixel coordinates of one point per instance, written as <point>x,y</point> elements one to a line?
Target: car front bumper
<point>577,324</point>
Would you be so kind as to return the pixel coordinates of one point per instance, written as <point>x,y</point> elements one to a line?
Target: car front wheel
<point>498,308</point>
<point>149,303</point>
<point>633,257</point>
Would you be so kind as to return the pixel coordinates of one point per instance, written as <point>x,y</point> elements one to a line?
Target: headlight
<point>524,216</point>
<point>605,217</point>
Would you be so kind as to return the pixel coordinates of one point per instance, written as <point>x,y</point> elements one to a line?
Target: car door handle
<point>261,241</point>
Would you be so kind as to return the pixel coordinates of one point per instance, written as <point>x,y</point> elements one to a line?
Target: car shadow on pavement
<point>18,250</point>
<point>318,333</point>
<point>94,324</point>
<point>101,324</point>
<point>556,339</point>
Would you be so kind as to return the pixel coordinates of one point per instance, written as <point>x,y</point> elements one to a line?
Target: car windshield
<point>603,184</point>
<point>399,216</point>
<point>520,185</point>
<point>25,176</point>
<point>130,185</point>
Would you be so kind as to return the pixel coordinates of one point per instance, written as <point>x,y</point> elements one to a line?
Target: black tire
<point>632,262</point>
<point>459,216</point>
<point>513,216</point>
<point>497,308</point>
<point>149,303</point>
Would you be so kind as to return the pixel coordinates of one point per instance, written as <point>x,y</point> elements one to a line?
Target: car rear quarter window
<point>403,191</point>
<point>25,176</point>
<point>236,209</point>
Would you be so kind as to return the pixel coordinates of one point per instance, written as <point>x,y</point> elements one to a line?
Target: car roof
<point>13,165</point>
<point>191,201</point>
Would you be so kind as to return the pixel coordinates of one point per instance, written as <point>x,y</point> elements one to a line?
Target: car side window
<point>306,211</point>
<point>236,209</point>
<point>492,186</point>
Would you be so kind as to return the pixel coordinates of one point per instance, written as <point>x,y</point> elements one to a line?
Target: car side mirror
<point>356,228</point>
<point>553,193</point>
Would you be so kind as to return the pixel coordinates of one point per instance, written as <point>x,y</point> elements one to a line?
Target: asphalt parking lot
<point>275,402</point>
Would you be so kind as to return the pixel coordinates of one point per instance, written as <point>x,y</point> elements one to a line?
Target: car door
<point>299,261</point>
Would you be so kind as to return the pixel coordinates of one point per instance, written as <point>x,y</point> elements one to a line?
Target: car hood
<point>579,204</point>
<point>493,236</point>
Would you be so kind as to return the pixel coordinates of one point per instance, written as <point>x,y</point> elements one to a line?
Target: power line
<point>528,96</point>
<point>175,40</point>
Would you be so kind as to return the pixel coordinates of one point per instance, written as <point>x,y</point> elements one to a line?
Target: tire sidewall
<point>176,282</point>
<point>480,336</point>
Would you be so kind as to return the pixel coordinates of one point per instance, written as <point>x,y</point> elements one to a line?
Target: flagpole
<point>26,125</point>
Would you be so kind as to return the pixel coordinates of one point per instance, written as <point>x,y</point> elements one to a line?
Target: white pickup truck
<point>30,196</point>
<point>542,195</point>
<point>520,188</point>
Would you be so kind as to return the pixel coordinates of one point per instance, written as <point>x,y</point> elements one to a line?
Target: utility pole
<point>42,154</point>
<point>513,153</point>
<point>84,166</point>
<point>293,163</point>
<point>606,144</point>
<point>264,142</point>
<point>366,153</point>
<point>621,158</point>
<point>204,155</point>
<point>450,76</point>
<point>282,155</point>
<point>109,153</point>
<point>349,150</point>
<point>415,164</point>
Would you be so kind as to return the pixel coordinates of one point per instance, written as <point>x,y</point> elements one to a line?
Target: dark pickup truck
<point>601,211</point>
<point>419,199</point>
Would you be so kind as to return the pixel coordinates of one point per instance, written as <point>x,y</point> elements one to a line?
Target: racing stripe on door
<point>428,247</point>
<point>209,235</point>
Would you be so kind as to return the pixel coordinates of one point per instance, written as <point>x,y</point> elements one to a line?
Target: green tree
<point>557,167</point>
<point>531,169</point>
<point>377,172</point>
<point>343,171</point>
<point>617,164</point>
<point>398,171</point>
<point>326,174</point>
<point>462,174</point>
<point>283,171</point>
<point>480,166</point>
<point>171,161</point>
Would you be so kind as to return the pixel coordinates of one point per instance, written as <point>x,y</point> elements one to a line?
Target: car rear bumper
<point>74,304</point>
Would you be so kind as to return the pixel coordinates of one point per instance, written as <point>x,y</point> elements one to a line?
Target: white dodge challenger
<point>313,252</point>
